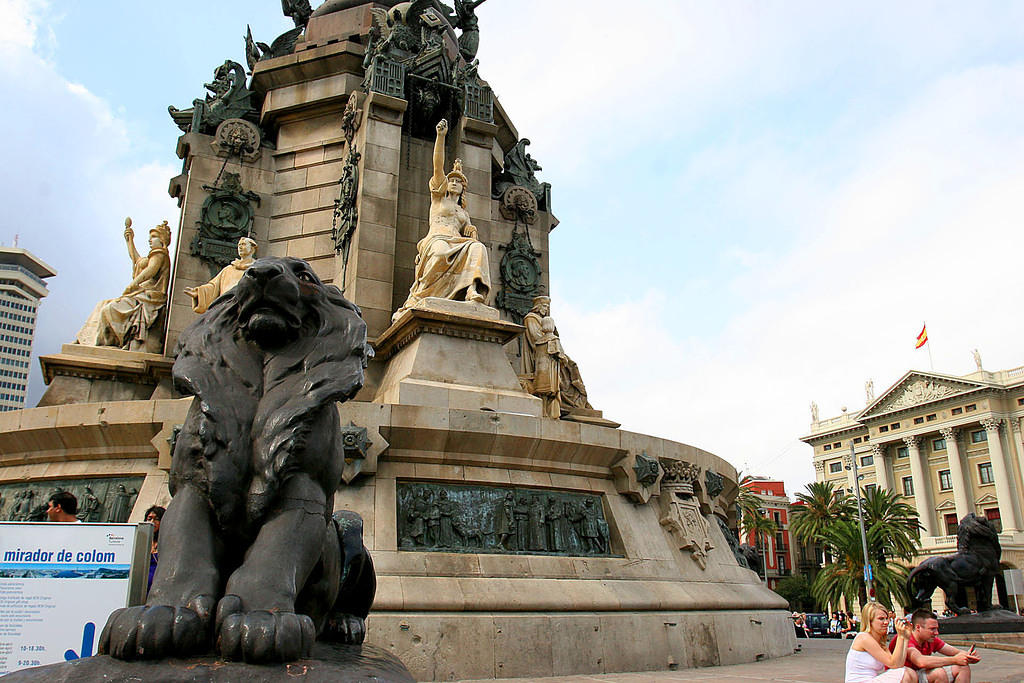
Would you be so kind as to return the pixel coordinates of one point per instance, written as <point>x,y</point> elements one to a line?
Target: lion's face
<point>276,298</point>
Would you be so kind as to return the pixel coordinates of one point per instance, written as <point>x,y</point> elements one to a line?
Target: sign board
<point>58,583</point>
<point>1014,581</point>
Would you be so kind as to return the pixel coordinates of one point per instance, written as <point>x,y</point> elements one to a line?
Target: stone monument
<point>510,538</point>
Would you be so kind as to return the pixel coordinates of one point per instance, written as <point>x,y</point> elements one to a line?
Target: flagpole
<point>930,361</point>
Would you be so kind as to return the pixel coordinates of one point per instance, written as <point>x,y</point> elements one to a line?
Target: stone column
<point>1018,442</point>
<point>851,481</point>
<point>1002,474</point>
<point>922,486</point>
<point>882,475</point>
<point>961,482</point>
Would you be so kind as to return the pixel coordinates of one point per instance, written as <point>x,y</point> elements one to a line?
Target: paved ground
<point>820,661</point>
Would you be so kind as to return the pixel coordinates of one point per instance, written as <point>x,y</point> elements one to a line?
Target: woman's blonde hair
<point>868,613</point>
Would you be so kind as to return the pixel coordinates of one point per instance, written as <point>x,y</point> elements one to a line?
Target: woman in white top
<point>869,657</point>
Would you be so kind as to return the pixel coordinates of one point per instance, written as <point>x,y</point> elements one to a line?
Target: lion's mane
<point>255,409</point>
<point>976,535</point>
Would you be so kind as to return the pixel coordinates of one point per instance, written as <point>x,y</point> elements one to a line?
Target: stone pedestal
<point>449,354</point>
<point>91,374</point>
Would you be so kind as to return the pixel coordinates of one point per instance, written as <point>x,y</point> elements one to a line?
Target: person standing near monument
<point>204,295</point>
<point>451,262</point>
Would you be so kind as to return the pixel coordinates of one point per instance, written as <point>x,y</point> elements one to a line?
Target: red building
<point>778,553</point>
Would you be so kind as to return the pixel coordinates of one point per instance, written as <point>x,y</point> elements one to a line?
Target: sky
<point>760,203</point>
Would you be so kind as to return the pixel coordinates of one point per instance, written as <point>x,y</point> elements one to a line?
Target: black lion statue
<point>975,563</point>
<point>753,557</point>
<point>252,560</point>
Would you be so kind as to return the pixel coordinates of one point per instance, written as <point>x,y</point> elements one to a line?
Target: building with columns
<point>949,445</point>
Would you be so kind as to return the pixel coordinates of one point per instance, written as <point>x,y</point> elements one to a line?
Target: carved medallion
<point>519,204</point>
<point>647,469</point>
<point>520,275</point>
<point>237,137</point>
<point>226,217</point>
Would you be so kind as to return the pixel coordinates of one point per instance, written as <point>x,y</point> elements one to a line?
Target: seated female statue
<point>203,295</point>
<point>451,263</point>
<point>133,321</point>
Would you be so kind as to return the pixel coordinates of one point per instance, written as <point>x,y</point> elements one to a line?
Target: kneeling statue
<point>451,262</point>
<point>251,557</point>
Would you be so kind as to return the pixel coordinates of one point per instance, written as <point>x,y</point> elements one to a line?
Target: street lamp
<point>868,574</point>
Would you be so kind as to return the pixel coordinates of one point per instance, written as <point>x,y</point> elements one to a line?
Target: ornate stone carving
<point>487,519</point>
<point>520,275</point>
<point>226,217</point>
<point>518,204</point>
<point>548,372</point>
<point>734,543</point>
<point>950,434</point>
<point>647,469</point>
<point>99,499</point>
<point>714,483</point>
<point>237,137</point>
<point>869,391</point>
<point>977,360</point>
<point>354,442</point>
<point>346,212</point>
<point>230,98</point>
<point>351,119</point>
<point>991,424</point>
<point>814,413</point>
<point>520,170</point>
<point>877,451</point>
<point>918,392</point>
<point>819,466</point>
<point>135,320</point>
<point>283,45</point>
<point>911,441</point>
<point>681,513</point>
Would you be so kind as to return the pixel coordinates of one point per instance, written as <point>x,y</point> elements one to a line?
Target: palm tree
<point>763,528</point>
<point>891,530</point>
<point>817,509</point>
<point>747,501</point>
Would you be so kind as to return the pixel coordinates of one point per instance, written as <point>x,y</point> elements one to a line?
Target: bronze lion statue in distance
<point>252,560</point>
<point>975,563</point>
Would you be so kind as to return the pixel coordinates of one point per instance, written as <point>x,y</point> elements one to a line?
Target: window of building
<point>908,486</point>
<point>828,447</point>
<point>902,452</point>
<point>870,487</point>
<point>857,440</point>
<point>945,481</point>
<point>1020,401</point>
<point>985,473</point>
<point>992,515</point>
<point>956,411</point>
<point>952,525</point>
<point>938,444</point>
<point>918,420</point>
<point>894,425</point>
<point>867,437</point>
<point>834,467</point>
<point>979,436</point>
<point>931,417</point>
<point>777,517</point>
<point>883,429</point>
<point>837,444</point>
<point>971,408</point>
<point>867,460</point>
<point>779,544</point>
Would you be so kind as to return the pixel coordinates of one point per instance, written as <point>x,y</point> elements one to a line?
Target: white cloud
<point>924,225</point>
<point>69,180</point>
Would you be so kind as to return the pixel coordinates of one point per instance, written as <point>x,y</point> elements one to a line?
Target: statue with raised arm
<point>204,295</point>
<point>451,263</point>
<point>134,320</point>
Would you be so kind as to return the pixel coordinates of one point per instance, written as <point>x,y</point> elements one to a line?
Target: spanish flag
<point>922,338</point>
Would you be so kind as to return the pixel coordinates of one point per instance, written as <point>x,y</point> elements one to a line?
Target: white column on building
<point>882,475</point>
<point>1018,442</point>
<point>1001,473</point>
<point>921,474</point>
<point>961,485</point>
<point>851,481</point>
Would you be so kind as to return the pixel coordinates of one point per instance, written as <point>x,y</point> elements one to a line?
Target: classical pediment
<point>918,388</point>
<point>987,499</point>
<point>946,505</point>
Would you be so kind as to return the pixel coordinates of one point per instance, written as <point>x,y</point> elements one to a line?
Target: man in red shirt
<point>935,660</point>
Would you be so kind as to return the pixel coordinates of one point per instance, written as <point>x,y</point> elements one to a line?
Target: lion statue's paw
<point>345,628</point>
<point>157,631</point>
<point>261,635</point>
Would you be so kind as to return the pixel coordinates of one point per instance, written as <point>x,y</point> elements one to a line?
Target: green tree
<point>747,501</point>
<point>763,528</point>
<point>891,530</point>
<point>797,591</point>
<point>818,508</point>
